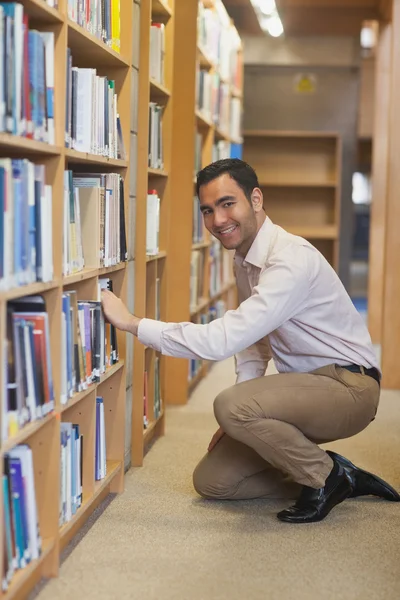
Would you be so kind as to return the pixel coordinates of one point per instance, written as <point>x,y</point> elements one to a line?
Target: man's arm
<point>281,293</point>
<point>253,361</point>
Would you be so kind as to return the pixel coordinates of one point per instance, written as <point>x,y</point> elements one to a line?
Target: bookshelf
<point>199,128</point>
<point>299,174</point>
<point>155,85</point>
<point>44,434</point>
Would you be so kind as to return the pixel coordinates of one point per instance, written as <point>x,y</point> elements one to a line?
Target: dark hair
<point>237,169</point>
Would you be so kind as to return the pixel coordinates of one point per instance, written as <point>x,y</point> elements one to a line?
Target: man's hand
<point>117,314</point>
<point>215,438</point>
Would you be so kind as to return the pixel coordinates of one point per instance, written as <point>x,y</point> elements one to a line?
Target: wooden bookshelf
<point>190,121</point>
<point>299,174</point>
<point>151,270</point>
<point>43,436</point>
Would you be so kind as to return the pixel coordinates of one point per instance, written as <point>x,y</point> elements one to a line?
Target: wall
<point>271,102</point>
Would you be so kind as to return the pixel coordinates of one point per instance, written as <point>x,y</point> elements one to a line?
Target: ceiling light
<point>267,7</point>
<point>273,25</point>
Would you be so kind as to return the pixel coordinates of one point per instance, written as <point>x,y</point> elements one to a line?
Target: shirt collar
<point>260,248</point>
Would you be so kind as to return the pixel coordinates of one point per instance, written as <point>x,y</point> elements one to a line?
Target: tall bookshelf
<point>299,174</point>
<point>151,268</point>
<point>43,436</point>
<point>198,135</point>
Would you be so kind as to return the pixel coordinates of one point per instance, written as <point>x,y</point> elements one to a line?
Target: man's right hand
<point>215,438</point>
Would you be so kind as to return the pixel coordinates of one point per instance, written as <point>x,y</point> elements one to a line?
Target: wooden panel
<point>300,206</point>
<point>380,165</point>
<point>391,292</point>
<point>181,181</point>
<point>280,160</point>
<point>367,97</point>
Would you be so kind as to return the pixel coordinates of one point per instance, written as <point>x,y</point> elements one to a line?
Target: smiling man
<point>294,309</point>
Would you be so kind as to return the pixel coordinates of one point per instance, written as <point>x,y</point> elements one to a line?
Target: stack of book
<point>100,17</point>
<point>94,221</point>
<point>26,76</point>
<point>221,149</point>
<point>28,386</point>
<point>26,224</point>
<point>71,476</point>
<point>89,344</point>
<point>152,223</point>
<point>92,122</point>
<point>22,540</point>
<point>156,156</point>
<point>100,444</point>
<point>157,52</point>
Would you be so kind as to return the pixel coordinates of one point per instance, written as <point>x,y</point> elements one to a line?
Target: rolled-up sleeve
<point>281,292</point>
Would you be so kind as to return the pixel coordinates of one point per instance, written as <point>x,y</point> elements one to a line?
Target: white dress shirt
<point>293,308</point>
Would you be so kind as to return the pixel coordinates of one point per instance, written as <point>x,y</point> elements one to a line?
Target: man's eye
<point>228,204</point>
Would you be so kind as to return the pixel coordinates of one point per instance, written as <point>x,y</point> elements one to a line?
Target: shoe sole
<point>346,462</point>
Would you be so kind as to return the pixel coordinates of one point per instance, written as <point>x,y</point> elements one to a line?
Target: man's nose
<point>219,218</point>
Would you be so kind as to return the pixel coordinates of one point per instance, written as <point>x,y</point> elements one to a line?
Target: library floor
<point>160,541</point>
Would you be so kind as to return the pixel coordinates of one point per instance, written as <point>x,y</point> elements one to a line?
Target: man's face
<point>228,214</point>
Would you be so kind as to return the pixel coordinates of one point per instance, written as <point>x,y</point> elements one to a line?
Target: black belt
<point>374,373</point>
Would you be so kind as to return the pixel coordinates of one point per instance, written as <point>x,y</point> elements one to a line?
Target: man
<point>294,309</point>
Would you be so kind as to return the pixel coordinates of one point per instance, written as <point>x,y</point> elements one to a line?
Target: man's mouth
<point>228,230</point>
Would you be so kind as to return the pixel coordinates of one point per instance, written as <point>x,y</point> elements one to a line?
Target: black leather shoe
<point>314,504</point>
<point>364,483</point>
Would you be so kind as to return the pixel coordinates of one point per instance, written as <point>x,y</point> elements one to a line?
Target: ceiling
<point>312,17</point>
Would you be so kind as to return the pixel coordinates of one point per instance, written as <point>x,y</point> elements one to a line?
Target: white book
<point>152,223</point>
<point>64,369</point>
<point>31,399</point>
<point>84,110</point>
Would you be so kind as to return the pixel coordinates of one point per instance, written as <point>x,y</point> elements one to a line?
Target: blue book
<point>18,216</point>
<point>16,486</point>
<point>8,532</point>
<point>237,151</point>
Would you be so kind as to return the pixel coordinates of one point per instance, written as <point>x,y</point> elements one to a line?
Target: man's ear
<point>257,199</point>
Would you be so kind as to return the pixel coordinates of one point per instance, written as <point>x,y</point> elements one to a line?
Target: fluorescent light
<point>272,25</point>
<point>268,16</point>
<point>267,7</point>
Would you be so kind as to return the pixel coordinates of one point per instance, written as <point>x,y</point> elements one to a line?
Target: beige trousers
<point>273,426</point>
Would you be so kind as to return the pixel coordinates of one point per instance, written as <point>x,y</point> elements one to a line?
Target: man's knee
<point>231,411</point>
<point>208,485</point>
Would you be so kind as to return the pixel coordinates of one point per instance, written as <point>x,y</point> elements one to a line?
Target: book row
<point>94,221</point>
<point>157,52</point>
<point>92,122</point>
<point>220,41</point>
<point>26,76</point>
<point>21,538</point>
<point>156,155</point>
<point>89,344</point>
<point>101,18</point>
<point>26,227</point>
<point>88,347</point>
<point>214,100</point>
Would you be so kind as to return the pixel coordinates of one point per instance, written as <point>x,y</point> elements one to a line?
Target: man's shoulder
<point>291,248</point>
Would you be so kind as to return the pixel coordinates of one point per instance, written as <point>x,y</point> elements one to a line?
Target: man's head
<point>231,202</point>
